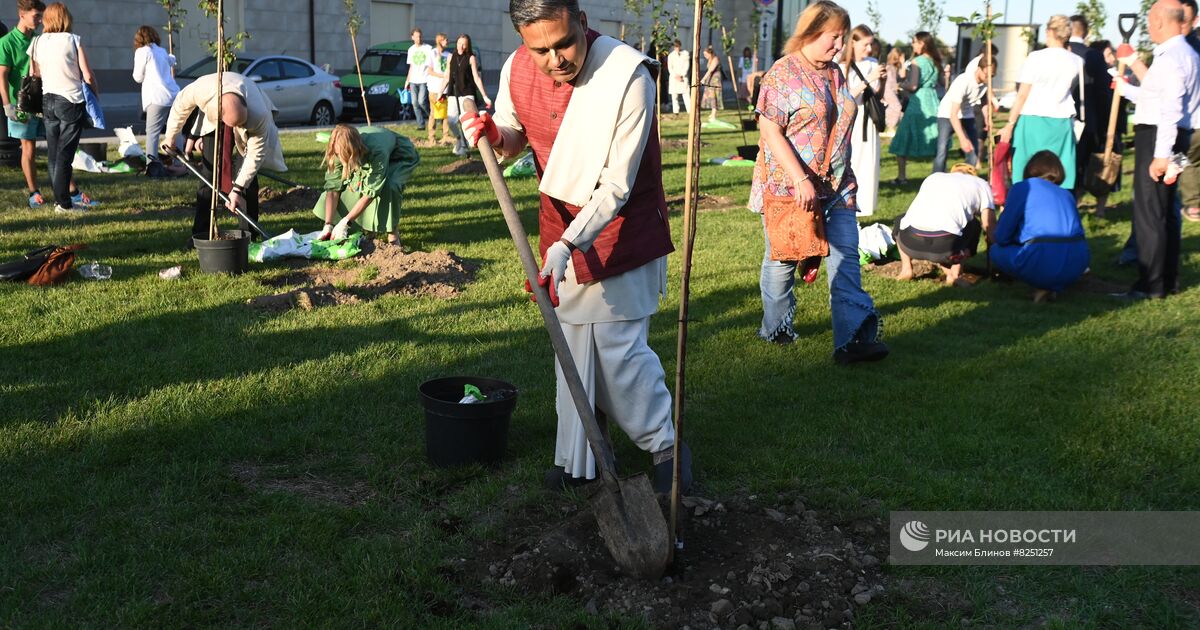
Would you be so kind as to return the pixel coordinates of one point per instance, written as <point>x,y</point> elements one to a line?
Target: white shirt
<point>964,91</point>
<point>152,68</point>
<point>679,63</point>
<point>1052,73</point>
<point>869,67</point>
<point>440,63</point>
<point>419,58</point>
<point>58,60</point>
<point>947,202</point>
<point>1169,96</point>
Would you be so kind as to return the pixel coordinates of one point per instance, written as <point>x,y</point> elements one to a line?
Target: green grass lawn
<point>171,457</point>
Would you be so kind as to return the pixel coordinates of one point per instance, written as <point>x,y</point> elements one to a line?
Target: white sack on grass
<point>290,243</point>
<point>875,239</point>
<point>129,143</point>
<point>85,162</point>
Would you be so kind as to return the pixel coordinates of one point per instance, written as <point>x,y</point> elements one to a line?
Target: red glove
<point>546,283</point>
<point>1126,54</point>
<point>476,125</point>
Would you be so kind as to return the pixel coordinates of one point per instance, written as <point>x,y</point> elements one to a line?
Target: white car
<point>302,92</point>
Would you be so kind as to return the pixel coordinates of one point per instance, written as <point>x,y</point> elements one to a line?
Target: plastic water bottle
<point>95,271</point>
<point>1178,162</point>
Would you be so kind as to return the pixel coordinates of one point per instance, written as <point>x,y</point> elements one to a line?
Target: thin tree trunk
<point>362,88</point>
<point>691,197</point>
<point>218,163</point>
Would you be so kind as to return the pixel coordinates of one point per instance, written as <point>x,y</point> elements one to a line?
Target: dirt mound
<point>707,202</point>
<point>309,486</point>
<point>745,562</point>
<point>380,270</point>
<point>463,167</point>
<point>291,200</point>
<point>921,269</point>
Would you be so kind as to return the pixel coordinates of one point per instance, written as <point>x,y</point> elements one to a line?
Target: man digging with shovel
<point>249,124</point>
<point>584,103</point>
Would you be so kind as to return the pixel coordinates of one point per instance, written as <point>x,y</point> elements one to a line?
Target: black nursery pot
<point>458,434</point>
<point>749,124</point>
<point>230,255</point>
<point>748,151</point>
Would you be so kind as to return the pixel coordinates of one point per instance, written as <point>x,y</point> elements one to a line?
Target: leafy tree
<point>175,22</point>
<point>353,23</point>
<point>1093,10</point>
<point>873,15</point>
<point>929,15</point>
<point>1144,43</point>
<point>232,44</point>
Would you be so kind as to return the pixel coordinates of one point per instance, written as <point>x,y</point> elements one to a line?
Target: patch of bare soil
<point>707,202</point>
<point>921,269</point>
<point>309,486</point>
<point>381,269</point>
<point>746,562</point>
<point>463,167</point>
<point>291,200</point>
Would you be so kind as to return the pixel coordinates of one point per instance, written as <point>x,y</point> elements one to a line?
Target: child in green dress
<point>366,171</point>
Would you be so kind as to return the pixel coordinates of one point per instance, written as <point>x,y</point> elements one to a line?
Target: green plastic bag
<point>522,167</point>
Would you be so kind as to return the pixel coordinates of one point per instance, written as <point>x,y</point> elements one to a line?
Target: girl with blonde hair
<point>1042,118</point>
<point>365,174</point>
<point>863,71</point>
<point>803,171</point>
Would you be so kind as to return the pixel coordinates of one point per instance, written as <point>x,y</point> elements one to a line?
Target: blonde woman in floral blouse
<point>806,109</point>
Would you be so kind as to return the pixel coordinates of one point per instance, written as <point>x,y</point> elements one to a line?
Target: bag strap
<point>824,173</point>
<point>868,90</point>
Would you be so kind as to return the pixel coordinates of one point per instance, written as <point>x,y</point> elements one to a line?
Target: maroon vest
<point>640,232</point>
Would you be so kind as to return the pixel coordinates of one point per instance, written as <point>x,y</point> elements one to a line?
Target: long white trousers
<point>625,379</point>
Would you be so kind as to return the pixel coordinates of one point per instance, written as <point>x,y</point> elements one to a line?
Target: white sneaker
<point>72,210</point>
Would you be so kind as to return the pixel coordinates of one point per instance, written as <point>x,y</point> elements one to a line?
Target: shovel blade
<point>633,527</point>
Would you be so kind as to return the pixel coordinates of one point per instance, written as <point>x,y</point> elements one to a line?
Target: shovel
<point>626,510</point>
<point>220,194</point>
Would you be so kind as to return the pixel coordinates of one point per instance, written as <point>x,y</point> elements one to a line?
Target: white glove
<point>341,230</point>
<point>10,111</point>
<point>557,257</point>
<point>326,232</point>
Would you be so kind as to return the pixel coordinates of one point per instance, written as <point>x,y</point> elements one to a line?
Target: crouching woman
<point>1039,239</point>
<point>366,171</point>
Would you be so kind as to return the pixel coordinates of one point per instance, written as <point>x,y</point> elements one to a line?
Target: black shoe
<point>556,480</point>
<point>781,338</point>
<point>664,473</point>
<point>860,351</point>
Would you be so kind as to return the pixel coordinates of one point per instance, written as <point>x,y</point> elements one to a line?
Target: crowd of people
<point>822,110</point>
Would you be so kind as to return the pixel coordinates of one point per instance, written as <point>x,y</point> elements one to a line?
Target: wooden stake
<point>362,88</point>
<point>991,137</point>
<point>691,198</point>
<point>218,165</point>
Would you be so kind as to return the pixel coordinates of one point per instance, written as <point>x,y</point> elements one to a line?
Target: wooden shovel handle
<point>600,446</point>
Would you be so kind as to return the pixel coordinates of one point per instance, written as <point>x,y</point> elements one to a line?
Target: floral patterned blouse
<point>808,107</point>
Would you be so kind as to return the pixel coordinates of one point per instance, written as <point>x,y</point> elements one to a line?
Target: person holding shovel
<point>584,103</point>
<point>248,121</point>
<point>365,173</point>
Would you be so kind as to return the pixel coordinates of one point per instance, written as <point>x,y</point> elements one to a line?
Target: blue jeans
<point>946,136</point>
<point>64,123</point>
<point>420,101</point>
<point>852,310</point>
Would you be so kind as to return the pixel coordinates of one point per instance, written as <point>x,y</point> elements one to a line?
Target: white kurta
<point>606,322</point>
<point>679,64</point>
<point>864,154</point>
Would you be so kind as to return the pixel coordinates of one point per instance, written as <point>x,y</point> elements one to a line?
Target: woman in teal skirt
<point>917,134</point>
<point>366,171</point>
<point>1042,118</point>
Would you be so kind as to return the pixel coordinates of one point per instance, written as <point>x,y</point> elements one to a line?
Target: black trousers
<point>941,248</point>
<point>204,193</point>
<point>1158,232</point>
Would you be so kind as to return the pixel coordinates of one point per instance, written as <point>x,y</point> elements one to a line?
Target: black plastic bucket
<point>748,151</point>
<point>229,255</point>
<point>749,124</point>
<point>457,434</point>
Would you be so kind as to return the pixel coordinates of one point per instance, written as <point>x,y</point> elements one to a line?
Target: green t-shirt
<point>14,54</point>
